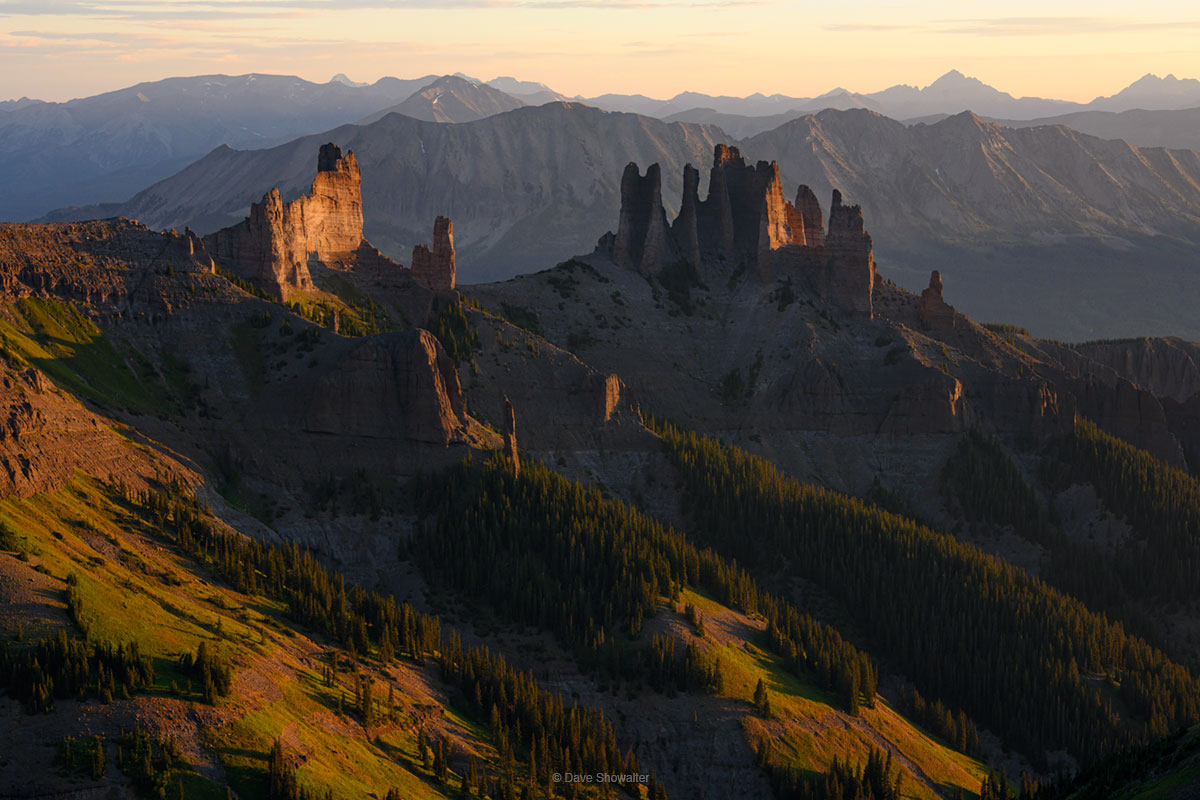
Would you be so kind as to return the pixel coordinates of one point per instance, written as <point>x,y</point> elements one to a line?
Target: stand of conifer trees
<point>877,779</point>
<point>528,722</point>
<point>59,667</point>
<point>1161,503</point>
<point>546,551</point>
<point>1034,665</point>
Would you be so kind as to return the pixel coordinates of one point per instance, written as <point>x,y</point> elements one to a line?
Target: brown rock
<point>434,269</point>
<point>810,212</point>
<point>642,242</point>
<point>394,386</point>
<point>850,269</point>
<point>684,230</point>
<point>510,437</point>
<point>932,311</point>
<point>745,222</point>
<point>274,245</point>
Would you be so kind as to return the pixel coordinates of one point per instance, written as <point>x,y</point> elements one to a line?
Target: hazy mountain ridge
<point>539,182</point>
<point>952,93</point>
<point>496,178</point>
<point>450,99</point>
<point>106,147</point>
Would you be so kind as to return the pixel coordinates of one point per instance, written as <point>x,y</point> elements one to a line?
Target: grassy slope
<point>807,723</point>
<point>151,594</point>
<point>68,347</point>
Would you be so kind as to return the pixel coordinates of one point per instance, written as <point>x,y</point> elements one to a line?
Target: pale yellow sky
<point>58,49</point>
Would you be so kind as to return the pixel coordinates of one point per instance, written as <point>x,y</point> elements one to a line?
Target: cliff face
<point>274,246</point>
<point>642,240</point>
<point>745,224</point>
<point>396,387</point>
<point>434,269</point>
<point>932,310</point>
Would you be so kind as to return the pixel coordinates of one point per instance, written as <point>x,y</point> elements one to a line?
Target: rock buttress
<point>273,247</point>
<point>642,242</point>
<point>434,269</point>
<point>932,311</point>
<point>849,280</point>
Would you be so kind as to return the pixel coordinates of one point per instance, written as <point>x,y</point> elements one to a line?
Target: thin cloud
<point>1057,26</point>
<point>852,27</point>
<point>207,9</point>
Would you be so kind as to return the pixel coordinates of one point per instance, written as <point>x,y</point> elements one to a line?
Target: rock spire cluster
<point>275,245</point>
<point>278,244</point>
<point>745,221</point>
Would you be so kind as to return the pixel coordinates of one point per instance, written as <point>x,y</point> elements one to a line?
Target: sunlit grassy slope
<point>135,588</point>
<point>806,722</point>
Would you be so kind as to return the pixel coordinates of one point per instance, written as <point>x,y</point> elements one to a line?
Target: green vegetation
<point>56,338</point>
<point>523,317</point>
<point>525,721</point>
<point>60,667</point>
<point>1005,330</point>
<point>454,330</point>
<point>546,551</point>
<point>1036,666</point>
<point>878,779</point>
<point>988,486</point>
<point>213,673</point>
<point>1160,502</point>
<point>245,285</point>
<point>363,317</point>
<point>1143,773</point>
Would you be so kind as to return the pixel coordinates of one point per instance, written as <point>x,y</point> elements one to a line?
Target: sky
<point>1064,49</point>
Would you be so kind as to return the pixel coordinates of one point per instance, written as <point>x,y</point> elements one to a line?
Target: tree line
<point>532,727</point>
<point>1033,664</point>
<point>546,551</point>
<point>1161,503</point>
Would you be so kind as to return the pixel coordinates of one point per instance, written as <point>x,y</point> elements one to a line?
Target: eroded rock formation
<point>396,386</point>
<point>745,224</point>
<point>434,269</point>
<point>274,246</point>
<point>510,437</point>
<point>642,241</point>
<point>932,311</point>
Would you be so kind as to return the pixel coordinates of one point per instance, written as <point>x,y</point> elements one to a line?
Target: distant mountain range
<point>109,146</point>
<point>950,94</point>
<point>106,148</point>
<point>1070,235</point>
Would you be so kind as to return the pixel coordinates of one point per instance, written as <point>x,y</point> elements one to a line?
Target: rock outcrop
<point>849,276</point>
<point>642,241</point>
<point>434,269</point>
<point>510,437</point>
<point>932,311</point>
<point>47,437</point>
<point>398,386</point>
<point>745,225</point>
<point>274,246</point>
<point>809,211</point>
